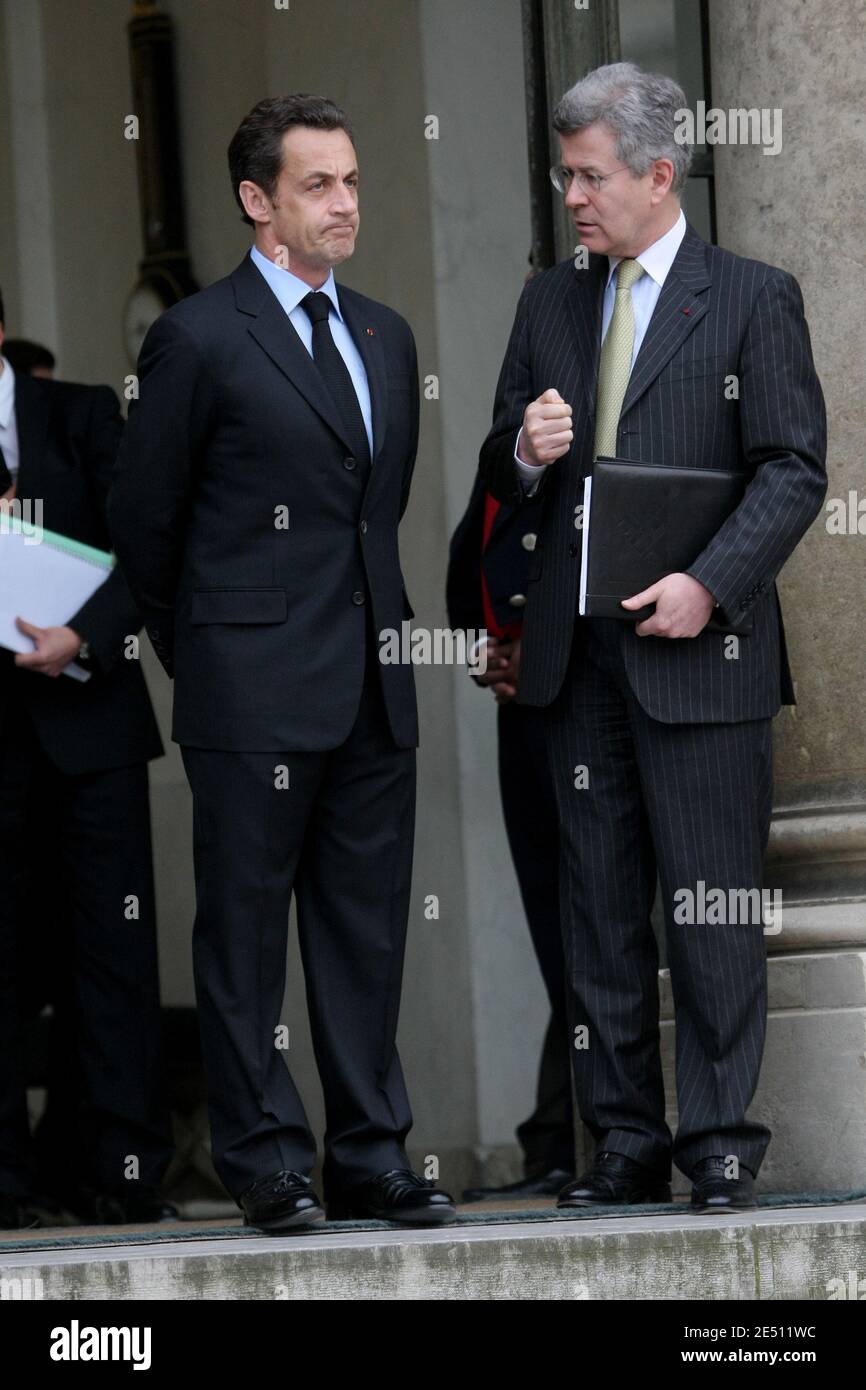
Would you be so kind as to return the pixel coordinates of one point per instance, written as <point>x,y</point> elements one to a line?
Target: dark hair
<point>2,313</point>
<point>256,149</point>
<point>24,355</point>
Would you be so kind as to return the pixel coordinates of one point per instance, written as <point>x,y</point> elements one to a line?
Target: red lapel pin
<point>369,332</point>
<point>686,311</point>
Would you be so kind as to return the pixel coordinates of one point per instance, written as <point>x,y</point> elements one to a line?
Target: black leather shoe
<point>545,1185</point>
<point>712,1191</point>
<point>614,1180</point>
<point>281,1202</point>
<point>399,1195</point>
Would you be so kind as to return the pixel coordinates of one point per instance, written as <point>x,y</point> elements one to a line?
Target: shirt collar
<point>288,288</point>
<point>658,258</point>
<point>7,393</point>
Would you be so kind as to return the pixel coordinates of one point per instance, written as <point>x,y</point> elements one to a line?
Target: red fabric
<point>512,629</point>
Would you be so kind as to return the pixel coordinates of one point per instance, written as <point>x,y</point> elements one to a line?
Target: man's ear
<point>663,176</point>
<point>255,203</point>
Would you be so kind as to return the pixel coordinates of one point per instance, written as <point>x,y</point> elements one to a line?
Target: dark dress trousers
<point>674,734</point>
<point>75,840</point>
<point>528,804</point>
<point>265,558</point>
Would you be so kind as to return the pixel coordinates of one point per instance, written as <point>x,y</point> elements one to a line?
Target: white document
<point>584,546</point>
<point>45,578</point>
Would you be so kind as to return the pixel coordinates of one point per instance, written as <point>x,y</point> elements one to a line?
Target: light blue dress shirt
<point>656,261</point>
<point>290,290</point>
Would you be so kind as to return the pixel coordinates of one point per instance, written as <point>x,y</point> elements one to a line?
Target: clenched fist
<point>547,432</point>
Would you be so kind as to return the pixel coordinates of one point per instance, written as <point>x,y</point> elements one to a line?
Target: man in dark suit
<point>75,845</point>
<point>489,565</point>
<point>260,485</point>
<point>661,348</point>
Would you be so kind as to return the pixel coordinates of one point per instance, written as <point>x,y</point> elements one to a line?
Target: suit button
<point>349,462</point>
<point>363,528</point>
<point>528,541</point>
<point>517,600</point>
<point>358,597</point>
<point>572,549</point>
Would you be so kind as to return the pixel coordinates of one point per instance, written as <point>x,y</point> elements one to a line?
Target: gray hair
<point>639,108</point>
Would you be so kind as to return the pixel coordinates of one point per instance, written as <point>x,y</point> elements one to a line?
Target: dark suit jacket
<point>68,437</point>
<point>718,315</point>
<point>262,625</point>
<point>505,562</point>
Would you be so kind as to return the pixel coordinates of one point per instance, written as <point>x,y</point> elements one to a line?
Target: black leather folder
<point>642,521</point>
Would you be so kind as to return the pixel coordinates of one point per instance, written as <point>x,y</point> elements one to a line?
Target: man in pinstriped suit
<point>659,348</point>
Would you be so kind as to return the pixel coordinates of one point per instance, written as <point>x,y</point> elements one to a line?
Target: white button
<point>528,541</point>
<point>517,600</point>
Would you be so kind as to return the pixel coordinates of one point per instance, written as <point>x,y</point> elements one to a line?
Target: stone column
<point>801,209</point>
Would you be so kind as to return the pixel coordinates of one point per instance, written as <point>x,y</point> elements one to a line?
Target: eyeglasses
<point>561,177</point>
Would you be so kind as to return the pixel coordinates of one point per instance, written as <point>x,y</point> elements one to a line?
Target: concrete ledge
<point>766,1255</point>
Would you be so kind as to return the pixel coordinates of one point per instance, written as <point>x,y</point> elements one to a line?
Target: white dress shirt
<point>290,290</point>
<point>8,427</point>
<point>656,261</point>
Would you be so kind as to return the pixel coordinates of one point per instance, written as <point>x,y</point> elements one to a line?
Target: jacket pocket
<point>684,368</point>
<point>238,606</point>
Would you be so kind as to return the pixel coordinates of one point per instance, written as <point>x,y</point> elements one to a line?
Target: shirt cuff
<point>530,473</point>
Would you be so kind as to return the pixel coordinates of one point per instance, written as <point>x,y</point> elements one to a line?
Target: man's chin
<point>593,238</point>
<point>335,255</point>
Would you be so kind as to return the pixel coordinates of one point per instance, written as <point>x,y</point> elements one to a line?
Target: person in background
<point>75,849</point>
<point>29,359</point>
<point>490,561</point>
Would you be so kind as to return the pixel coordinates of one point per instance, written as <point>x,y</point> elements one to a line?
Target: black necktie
<point>335,374</point>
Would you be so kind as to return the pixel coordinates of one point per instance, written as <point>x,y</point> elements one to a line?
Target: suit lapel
<point>681,306</point>
<point>275,333</point>
<point>584,301</point>
<point>31,423</point>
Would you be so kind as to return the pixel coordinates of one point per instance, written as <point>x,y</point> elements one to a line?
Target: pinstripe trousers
<point>693,802</point>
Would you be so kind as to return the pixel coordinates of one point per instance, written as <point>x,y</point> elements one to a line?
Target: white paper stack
<point>45,578</point>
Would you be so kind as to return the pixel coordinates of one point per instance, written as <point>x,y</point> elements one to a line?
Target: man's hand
<point>7,496</point>
<point>505,689</point>
<point>683,607</point>
<point>55,648</point>
<point>547,432</point>
<point>503,666</point>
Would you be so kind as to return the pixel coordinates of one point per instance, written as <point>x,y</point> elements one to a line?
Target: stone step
<point>814,1253</point>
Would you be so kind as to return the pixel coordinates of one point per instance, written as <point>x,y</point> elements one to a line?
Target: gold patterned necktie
<point>614,367</point>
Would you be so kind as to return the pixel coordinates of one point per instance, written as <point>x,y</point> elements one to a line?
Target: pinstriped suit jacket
<point>718,315</point>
